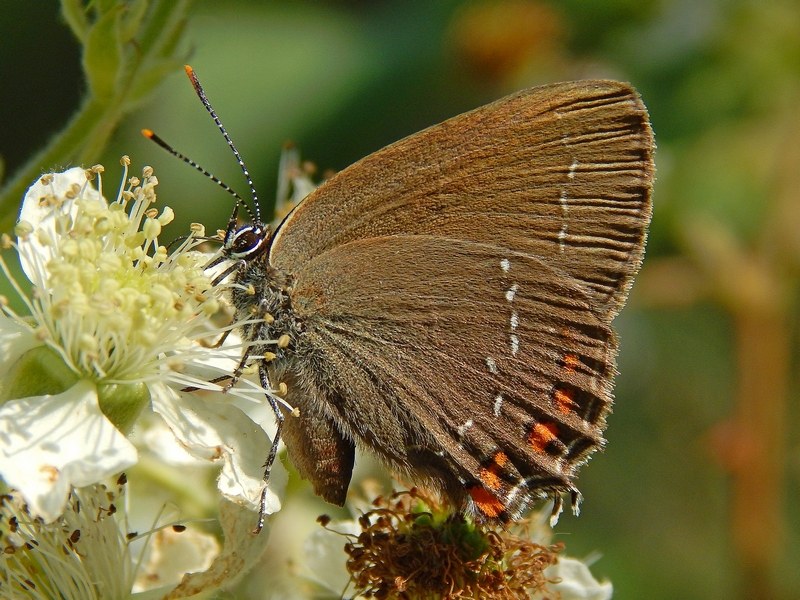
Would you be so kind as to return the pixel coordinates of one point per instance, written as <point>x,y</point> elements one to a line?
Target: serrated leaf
<point>102,55</point>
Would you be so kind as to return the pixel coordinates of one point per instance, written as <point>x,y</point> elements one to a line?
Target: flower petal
<point>42,215</point>
<point>214,430</point>
<point>49,443</point>
<point>576,582</point>
<point>325,558</point>
<point>157,437</point>
<point>15,340</point>
<point>240,552</point>
<point>172,554</point>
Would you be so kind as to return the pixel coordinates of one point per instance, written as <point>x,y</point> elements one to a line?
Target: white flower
<point>84,554</point>
<point>174,552</point>
<point>88,553</point>
<point>240,553</point>
<point>570,578</point>
<point>79,447</point>
<point>116,327</point>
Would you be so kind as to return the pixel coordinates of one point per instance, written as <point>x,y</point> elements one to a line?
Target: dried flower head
<point>411,547</point>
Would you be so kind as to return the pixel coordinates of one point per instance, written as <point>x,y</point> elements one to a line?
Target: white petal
<point>43,216</point>
<point>49,443</point>
<point>214,429</point>
<point>15,340</point>
<point>325,558</point>
<point>172,555</point>
<point>157,437</point>
<point>241,551</point>
<point>222,361</point>
<point>247,395</point>
<point>576,581</point>
<point>37,214</point>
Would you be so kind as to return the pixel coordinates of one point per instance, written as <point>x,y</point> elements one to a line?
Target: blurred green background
<point>696,495</point>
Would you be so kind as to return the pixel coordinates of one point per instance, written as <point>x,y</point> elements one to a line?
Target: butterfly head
<point>246,242</point>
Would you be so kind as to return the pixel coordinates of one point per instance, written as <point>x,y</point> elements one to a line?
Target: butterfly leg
<point>259,333</point>
<point>273,451</point>
<point>237,266</point>
<point>193,388</point>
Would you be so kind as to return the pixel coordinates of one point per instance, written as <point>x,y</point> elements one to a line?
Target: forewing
<point>485,371</point>
<point>563,172</point>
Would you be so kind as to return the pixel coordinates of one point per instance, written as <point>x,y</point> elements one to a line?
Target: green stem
<point>83,138</point>
<point>149,57</point>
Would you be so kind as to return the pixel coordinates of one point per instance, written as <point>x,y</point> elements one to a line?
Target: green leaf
<point>104,6</point>
<point>102,56</point>
<point>74,14</point>
<point>148,80</point>
<point>132,20</point>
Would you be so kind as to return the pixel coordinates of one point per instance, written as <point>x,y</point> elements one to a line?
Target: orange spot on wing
<point>489,476</point>
<point>541,435</point>
<point>486,502</point>
<point>571,362</point>
<point>565,400</point>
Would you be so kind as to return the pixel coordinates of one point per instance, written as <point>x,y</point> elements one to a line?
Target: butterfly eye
<point>247,242</point>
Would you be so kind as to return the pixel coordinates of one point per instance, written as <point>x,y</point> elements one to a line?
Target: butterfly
<point>446,303</point>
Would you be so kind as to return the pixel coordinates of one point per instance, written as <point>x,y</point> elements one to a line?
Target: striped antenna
<point>150,135</point>
<point>202,95</point>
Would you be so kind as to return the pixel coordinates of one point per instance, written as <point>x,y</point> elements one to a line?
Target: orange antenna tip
<point>148,133</point>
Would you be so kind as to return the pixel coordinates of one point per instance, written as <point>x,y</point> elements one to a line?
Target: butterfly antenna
<point>150,135</point>
<point>202,95</point>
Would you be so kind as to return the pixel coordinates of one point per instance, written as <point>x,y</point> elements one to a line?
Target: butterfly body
<point>446,302</point>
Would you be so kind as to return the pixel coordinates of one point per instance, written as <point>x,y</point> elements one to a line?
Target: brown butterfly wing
<point>485,372</point>
<point>563,172</point>
<point>316,445</point>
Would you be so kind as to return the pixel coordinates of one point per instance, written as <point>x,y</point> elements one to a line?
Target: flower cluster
<point>116,328</point>
<point>117,325</point>
<point>71,556</point>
